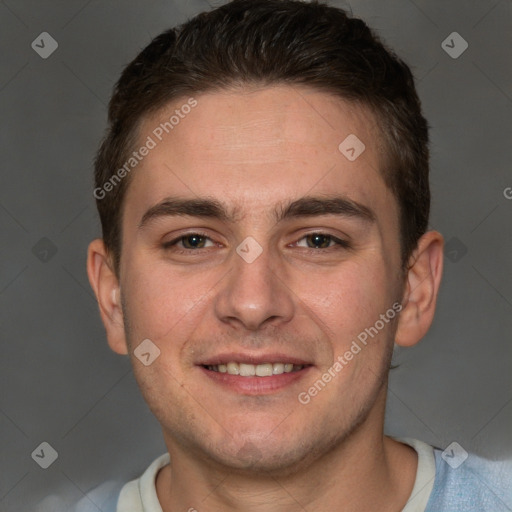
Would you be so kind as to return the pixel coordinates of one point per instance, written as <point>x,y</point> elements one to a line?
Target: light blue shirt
<point>477,485</point>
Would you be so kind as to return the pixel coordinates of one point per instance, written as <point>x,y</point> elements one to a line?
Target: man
<point>264,199</point>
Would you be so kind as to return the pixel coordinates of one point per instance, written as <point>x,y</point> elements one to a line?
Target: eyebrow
<point>308,206</point>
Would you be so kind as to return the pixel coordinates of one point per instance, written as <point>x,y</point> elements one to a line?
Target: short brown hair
<point>271,42</point>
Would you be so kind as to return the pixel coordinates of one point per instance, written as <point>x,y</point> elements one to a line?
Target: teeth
<point>264,370</point>
<point>259,370</point>
<point>277,368</point>
<point>247,370</point>
<point>233,369</point>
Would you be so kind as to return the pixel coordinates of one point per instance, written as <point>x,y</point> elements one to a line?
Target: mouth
<point>255,375</point>
<point>252,370</point>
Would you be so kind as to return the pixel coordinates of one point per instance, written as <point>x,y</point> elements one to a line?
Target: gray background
<point>59,381</point>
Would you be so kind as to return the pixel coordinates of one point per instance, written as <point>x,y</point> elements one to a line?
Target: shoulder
<point>469,483</point>
<point>103,497</point>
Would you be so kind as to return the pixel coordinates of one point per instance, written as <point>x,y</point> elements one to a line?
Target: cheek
<point>160,300</point>
<point>348,300</point>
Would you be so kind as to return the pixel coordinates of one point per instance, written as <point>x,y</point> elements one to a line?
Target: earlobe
<point>105,284</point>
<point>421,290</point>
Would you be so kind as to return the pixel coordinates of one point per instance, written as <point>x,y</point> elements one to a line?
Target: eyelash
<point>340,244</point>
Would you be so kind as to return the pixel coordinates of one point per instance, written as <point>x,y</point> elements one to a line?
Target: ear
<point>421,288</point>
<point>105,284</point>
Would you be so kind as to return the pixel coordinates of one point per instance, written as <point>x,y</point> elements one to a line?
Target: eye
<point>321,241</point>
<point>190,241</point>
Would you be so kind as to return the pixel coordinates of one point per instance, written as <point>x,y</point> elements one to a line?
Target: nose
<point>254,294</point>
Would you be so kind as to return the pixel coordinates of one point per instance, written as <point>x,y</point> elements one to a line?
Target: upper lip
<point>252,359</point>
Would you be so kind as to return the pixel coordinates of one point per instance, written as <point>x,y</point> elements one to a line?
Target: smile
<point>255,370</point>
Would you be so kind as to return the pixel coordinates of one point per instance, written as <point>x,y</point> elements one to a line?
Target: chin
<point>272,455</point>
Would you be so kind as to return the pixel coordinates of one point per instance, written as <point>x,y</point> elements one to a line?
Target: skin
<point>252,150</point>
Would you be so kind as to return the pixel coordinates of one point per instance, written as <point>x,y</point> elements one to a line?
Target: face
<point>253,244</point>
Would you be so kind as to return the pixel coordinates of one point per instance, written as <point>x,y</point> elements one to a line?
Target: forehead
<point>255,145</point>
<point>252,118</point>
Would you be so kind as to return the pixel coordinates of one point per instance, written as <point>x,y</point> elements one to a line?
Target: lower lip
<point>255,385</point>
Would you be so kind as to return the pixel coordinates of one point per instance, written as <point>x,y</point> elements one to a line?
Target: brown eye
<point>190,242</point>
<point>194,241</point>
<point>318,240</point>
